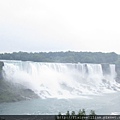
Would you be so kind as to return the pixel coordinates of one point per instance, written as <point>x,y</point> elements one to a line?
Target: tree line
<point>81,115</point>
<point>64,57</point>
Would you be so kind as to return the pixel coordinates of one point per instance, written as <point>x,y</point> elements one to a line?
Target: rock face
<point>12,93</point>
<point>1,66</point>
<point>117,69</point>
<point>105,68</point>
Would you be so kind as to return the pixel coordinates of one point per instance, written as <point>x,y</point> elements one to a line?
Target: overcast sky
<point>60,25</point>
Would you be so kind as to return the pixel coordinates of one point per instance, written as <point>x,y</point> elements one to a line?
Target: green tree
<point>92,112</point>
<point>92,115</point>
<point>73,113</point>
<point>59,113</point>
<point>68,113</point>
<point>82,112</point>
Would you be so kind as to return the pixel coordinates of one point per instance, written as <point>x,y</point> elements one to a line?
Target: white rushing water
<point>61,80</point>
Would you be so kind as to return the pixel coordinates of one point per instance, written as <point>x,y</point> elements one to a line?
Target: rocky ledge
<point>1,66</point>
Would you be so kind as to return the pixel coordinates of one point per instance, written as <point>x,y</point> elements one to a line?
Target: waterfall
<point>61,80</point>
<point>112,70</point>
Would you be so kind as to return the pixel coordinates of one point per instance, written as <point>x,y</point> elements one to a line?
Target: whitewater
<point>63,83</point>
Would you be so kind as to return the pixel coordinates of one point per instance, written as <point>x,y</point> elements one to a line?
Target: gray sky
<point>60,25</point>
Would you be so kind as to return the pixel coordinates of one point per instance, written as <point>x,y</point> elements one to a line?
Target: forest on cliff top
<point>64,57</point>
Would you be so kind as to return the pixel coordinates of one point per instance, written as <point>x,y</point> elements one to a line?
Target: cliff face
<point>13,92</point>
<point>105,68</point>
<point>1,66</point>
<point>117,69</point>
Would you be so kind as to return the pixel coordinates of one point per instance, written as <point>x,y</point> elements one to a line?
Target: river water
<point>103,105</point>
